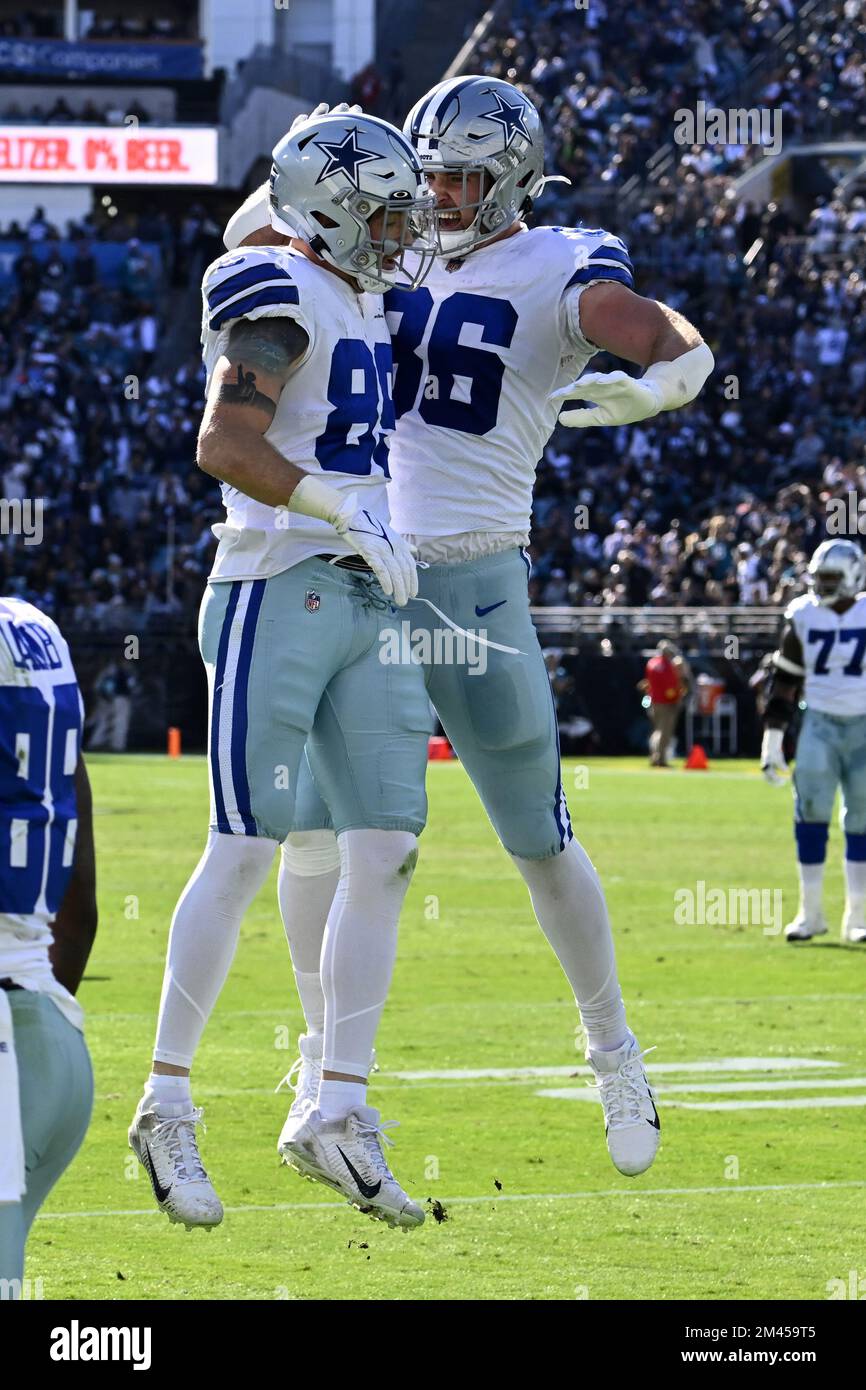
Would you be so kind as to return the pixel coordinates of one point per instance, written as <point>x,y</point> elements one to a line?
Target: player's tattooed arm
<point>261,350</point>
<point>244,391</point>
<point>786,680</point>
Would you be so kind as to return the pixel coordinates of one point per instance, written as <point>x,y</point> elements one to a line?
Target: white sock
<point>337,1098</point>
<point>569,903</point>
<point>203,939</point>
<point>163,1092</point>
<point>360,943</point>
<point>811,890</point>
<point>309,873</point>
<point>855,885</point>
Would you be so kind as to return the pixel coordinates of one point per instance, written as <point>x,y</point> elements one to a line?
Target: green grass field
<point>759,1186</point>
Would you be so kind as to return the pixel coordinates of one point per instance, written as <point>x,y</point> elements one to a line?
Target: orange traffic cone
<point>439,749</point>
<point>697,760</point>
<point>174,742</point>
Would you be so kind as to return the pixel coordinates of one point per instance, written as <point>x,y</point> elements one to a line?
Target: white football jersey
<point>477,350</point>
<point>41,719</point>
<point>334,416</point>
<point>834,654</point>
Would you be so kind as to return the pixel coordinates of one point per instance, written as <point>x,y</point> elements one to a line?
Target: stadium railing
<point>678,623</point>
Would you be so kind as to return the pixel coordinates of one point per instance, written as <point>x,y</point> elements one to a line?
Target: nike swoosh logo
<point>656,1123</point>
<point>378,530</point>
<point>481,612</point>
<point>363,1187</point>
<point>161,1193</point>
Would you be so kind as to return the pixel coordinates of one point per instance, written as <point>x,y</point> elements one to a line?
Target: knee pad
<point>309,853</point>
<point>381,854</point>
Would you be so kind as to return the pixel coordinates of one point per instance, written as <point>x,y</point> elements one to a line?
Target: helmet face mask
<point>837,571</point>
<point>353,188</point>
<point>486,127</point>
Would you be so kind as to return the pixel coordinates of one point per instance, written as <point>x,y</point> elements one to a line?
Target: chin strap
<point>538,188</point>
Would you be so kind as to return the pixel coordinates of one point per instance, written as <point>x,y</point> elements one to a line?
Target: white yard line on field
<point>496,1198</point>
<point>718,1064</point>
<point>814,1083</point>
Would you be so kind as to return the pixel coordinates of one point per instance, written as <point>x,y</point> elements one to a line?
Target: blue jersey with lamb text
<point>41,715</point>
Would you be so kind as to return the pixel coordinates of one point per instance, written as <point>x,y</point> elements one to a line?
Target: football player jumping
<point>296,429</point>
<point>821,655</point>
<point>485,353</point>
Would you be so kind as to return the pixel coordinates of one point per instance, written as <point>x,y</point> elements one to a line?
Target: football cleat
<point>167,1150</point>
<point>347,1156</point>
<point>803,928</point>
<point>631,1121</point>
<point>303,1077</point>
<point>853,925</point>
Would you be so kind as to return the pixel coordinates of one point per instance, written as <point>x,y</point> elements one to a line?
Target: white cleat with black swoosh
<point>167,1150</point>
<point>631,1121</point>
<point>347,1156</point>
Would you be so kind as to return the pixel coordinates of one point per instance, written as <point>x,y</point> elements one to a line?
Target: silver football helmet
<point>837,570</point>
<point>480,125</point>
<point>353,187</point>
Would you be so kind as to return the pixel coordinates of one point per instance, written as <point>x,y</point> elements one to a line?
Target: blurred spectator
<point>366,89</point>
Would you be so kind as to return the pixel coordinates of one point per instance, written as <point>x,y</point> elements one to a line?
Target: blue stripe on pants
<point>240,719</point>
<point>219,676</point>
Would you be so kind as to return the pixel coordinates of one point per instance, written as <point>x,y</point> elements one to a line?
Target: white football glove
<point>773,763</point>
<point>387,554</point>
<point>617,399</point>
<point>620,399</point>
<point>323,109</point>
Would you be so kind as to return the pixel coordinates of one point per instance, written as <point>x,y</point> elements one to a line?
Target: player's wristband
<point>312,497</point>
<point>676,383</point>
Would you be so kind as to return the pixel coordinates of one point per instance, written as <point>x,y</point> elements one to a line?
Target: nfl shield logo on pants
<point>312,601</point>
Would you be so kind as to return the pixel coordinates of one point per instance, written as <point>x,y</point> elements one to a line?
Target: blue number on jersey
<point>857,635</point>
<point>351,441</point>
<point>825,639</point>
<point>37,800</point>
<point>414,308</point>
<point>472,404</point>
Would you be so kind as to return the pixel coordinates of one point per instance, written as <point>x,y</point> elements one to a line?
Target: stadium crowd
<point>719,505</point>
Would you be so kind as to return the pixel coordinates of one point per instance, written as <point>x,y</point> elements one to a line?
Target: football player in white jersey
<point>296,429</point>
<point>47,922</point>
<point>485,352</point>
<point>821,658</point>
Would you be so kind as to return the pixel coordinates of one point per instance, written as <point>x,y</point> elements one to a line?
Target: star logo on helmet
<point>511,118</point>
<point>345,155</point>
